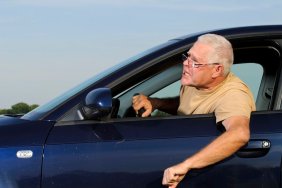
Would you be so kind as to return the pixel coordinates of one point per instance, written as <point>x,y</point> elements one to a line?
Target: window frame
<point>245,52</point>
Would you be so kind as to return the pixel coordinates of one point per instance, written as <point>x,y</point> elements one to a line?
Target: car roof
<point>258,30</point>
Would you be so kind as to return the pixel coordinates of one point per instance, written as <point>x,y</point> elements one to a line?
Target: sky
<point>49,46</point>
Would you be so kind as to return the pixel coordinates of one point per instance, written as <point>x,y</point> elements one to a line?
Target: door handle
<point>254,148</point>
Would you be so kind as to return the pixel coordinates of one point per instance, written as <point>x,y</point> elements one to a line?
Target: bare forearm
<point>168,105</point>
<point>219,149</point>
<point>222,147</point>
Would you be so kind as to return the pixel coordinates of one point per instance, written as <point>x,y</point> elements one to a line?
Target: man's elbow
<point>244,136</point>
<point>240,128</point>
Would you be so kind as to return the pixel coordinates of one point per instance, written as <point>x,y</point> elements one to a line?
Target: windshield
<point>41,111</point>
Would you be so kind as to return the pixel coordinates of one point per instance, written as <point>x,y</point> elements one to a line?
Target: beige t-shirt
<point>230,98</point>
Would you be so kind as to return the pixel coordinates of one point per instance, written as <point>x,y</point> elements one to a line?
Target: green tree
<point>3,111</point>
<point>19,108</point>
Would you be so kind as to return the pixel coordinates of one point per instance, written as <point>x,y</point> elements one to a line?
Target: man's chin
<point>185,82</point>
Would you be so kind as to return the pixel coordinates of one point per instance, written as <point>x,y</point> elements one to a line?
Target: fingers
<point>141,101</point>
<point>171,178</point>
<point>147,113</point>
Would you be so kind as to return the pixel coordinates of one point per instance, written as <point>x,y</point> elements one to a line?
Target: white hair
<point>223,51</point>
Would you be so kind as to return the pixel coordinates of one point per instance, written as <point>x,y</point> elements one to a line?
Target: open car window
<point>255,64</point>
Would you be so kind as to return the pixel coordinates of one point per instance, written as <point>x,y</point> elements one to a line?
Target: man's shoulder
<point>234,82</point>
<point>233,78</point>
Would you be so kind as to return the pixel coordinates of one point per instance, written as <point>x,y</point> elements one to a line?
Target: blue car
<point>90,136</point>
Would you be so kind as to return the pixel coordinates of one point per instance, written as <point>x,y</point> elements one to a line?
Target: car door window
<point>251,74</point>
<point>171,90</point>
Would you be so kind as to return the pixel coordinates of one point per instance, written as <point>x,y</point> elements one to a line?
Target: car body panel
<point>18,136</point>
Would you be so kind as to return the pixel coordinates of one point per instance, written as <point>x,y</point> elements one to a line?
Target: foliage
<point>19,108</point>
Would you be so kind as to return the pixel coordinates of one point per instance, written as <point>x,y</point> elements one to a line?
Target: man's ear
<point>218,71</point>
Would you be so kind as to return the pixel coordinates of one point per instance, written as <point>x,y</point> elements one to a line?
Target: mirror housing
<point>97,104</point>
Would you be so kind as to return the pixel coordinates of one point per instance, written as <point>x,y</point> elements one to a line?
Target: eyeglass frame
<point>196,65</point>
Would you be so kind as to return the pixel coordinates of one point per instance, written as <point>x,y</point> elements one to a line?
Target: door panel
<point>134,152</point>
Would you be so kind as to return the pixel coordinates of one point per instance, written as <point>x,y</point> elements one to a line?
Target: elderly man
<point>208,86</point>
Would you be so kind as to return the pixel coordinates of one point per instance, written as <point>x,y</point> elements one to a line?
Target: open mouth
<point>185,73</point>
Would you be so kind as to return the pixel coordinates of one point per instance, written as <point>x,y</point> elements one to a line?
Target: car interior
<point>255,62</point>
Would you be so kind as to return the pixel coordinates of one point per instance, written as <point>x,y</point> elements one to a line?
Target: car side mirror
<point>97,104</point>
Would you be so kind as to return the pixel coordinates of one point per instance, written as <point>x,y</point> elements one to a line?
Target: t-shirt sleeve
<point>234,103</point>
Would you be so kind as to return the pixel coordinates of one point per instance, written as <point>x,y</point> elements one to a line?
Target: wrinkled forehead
<point>201,51</point>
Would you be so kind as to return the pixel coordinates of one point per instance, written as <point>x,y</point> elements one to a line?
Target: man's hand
<point>173,175</point>
<point>142,101</point>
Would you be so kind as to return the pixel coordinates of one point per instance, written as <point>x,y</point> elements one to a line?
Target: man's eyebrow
<point>194,58</point>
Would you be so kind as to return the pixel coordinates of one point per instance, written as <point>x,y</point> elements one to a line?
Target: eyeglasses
<point>192,63</point>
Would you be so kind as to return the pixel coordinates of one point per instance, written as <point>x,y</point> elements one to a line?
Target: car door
<point>134,153</point>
